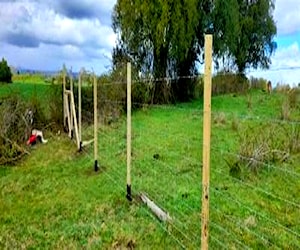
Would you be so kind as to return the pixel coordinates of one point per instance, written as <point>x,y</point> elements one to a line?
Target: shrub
<point>290,104</point>
<point>5,72</point>
<point>294,98</point>
<point>16,121</point>
<point>15,128</point>
<point>258,83</point>
<point>227,82</point>
<point>282,88</point>
<point>55,97</point>
<point>269,143</point>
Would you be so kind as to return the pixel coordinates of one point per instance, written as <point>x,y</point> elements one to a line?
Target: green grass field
<point>26,90</point>
<point>53,199</point>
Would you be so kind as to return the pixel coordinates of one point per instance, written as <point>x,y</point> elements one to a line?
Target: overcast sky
<point>45,34</point>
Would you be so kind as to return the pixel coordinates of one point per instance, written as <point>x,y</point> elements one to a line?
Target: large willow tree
<point>165,37</point>
<point>244,31</point>
<point>158,35</point>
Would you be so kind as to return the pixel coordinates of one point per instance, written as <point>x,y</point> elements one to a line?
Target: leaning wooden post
<point>128,195</point>
<point>79,110</point>
<point>74,121</point>
<point>71,114</point>
<point>96,168</point>
<point>206,142</point>
<point>67,94</point>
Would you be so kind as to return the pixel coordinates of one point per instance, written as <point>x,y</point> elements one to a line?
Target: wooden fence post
<point>79,110</point>
<point>128,196</point>
<point>64,97</point>
<point>96,168</point>
<point>74,121</point>
<point>67,106</point>
<point>71,114</point>
<point>206,143</point>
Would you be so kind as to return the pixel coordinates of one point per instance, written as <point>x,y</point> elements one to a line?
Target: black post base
<point>96,167</point>
<point>128,195</point>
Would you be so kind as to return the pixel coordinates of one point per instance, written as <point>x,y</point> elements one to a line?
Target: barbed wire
<point>253,159</point>
<point>260,190</point>
<point>157,173</point>
<point>276,223</point>
<point>284,68</point>
<point>118,177</point>
<point>218,241</point>
<point>182,227</point>
<point>224,231</point>
<point>241,225</point>
<point>117,180</point>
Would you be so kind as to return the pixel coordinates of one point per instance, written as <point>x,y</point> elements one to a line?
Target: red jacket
<point>32,139</point>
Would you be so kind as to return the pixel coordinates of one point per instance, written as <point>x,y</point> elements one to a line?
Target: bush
<point>269,143</point>
<point>282,88</point>
<point>15,128</point>
<point>19,117</point>
<point>294,98</point>
<point>226,83</point>
<point>258,83</point>
<point>290,104</point>
<point>5,72</point>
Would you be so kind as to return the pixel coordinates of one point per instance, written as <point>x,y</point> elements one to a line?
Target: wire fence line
<point>167,165</point>
<point>117,177</point>
<point>231,199</point>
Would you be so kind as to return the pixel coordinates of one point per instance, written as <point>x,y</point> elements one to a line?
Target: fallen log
<point>161,214</point>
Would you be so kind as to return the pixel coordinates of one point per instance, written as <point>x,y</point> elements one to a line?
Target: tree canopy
<point>5,72</point>
<point>244,32</point>
<point>166,37</point>
<point>156,34</point>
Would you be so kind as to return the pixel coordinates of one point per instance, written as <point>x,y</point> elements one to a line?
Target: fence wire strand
<point>163,194</point>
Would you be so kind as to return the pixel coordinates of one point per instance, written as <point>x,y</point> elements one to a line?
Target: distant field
<point>26,90</point>
<point>29,78</point>
<point>53,199</point>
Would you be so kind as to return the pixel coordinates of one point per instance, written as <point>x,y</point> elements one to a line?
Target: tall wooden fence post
<point>64,97</point>
<point>206,142</point>
<point>128,196</point>
<point>79,109</point>
<point>96,168</point>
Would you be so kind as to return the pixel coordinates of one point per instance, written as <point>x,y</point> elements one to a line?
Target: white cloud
<point>287,16</point>
<point>287,57</point>
<point>52,57</point>
<point>47,26</point>
<point>285,68</point>
<point>33,28</point>
<point>36,33</point>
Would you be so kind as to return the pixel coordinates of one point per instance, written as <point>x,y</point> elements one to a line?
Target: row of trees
<point>166,37</point>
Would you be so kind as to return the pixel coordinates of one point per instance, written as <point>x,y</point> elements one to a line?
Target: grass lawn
<point>53,199</point>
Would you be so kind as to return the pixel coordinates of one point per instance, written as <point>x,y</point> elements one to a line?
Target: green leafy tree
<point>166,37</point>
<point>5,72</point>
<point>157,35</point>
<point>244,31</point>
